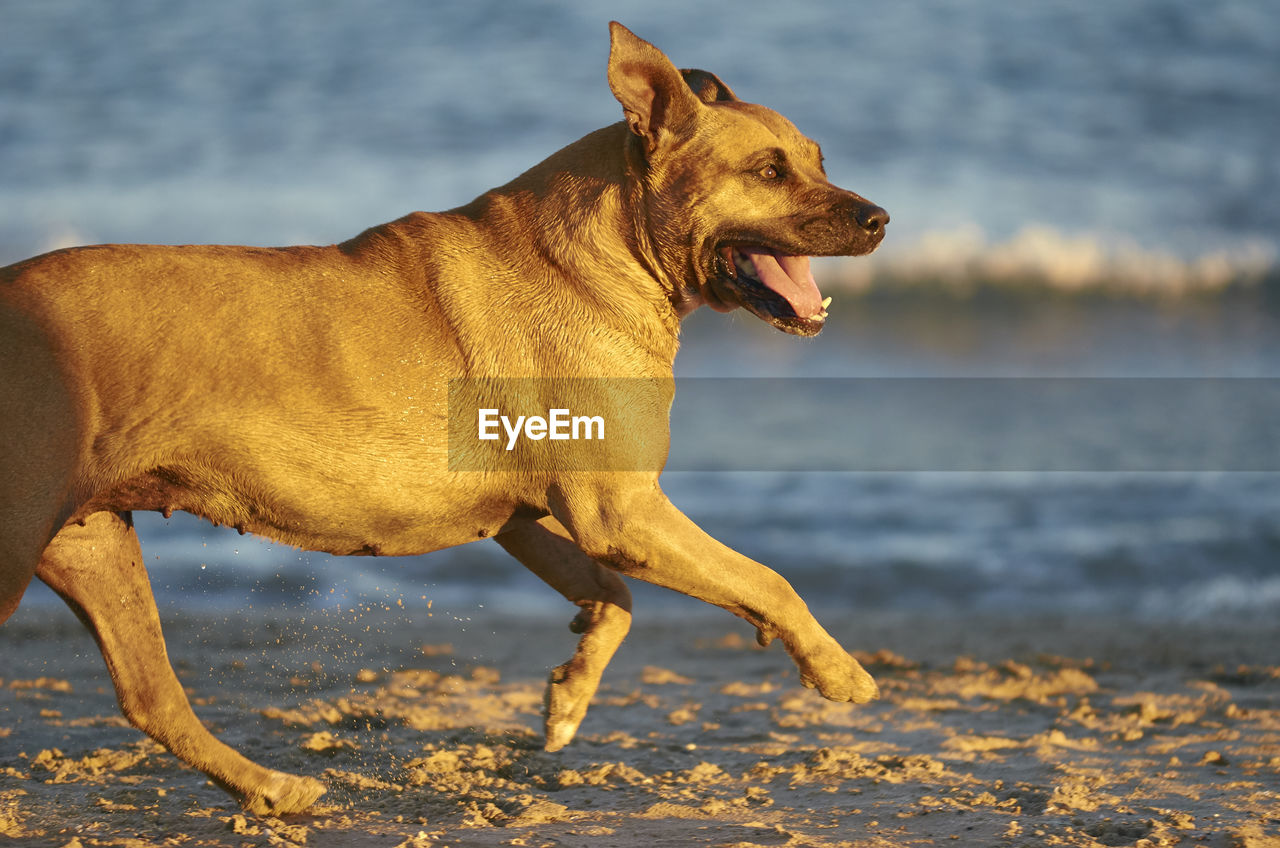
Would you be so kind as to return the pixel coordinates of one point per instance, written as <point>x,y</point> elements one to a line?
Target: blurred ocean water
<point>1149,123</point>
<point>1081,190</point>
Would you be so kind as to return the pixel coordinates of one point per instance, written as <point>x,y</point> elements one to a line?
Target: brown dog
<point>302,393</point>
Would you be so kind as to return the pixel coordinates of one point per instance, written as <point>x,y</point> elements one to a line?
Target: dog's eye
<point>769,172</point>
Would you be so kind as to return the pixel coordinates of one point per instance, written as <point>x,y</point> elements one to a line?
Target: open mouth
<point>774,286</point>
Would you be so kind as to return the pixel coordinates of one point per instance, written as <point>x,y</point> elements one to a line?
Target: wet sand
<point>427,730</point>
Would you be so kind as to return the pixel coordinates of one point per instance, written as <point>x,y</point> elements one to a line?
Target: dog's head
<point>736,198</point>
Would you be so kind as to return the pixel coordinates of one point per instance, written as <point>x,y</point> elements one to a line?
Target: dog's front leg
<point>641,534</point>
<point>544,547</point>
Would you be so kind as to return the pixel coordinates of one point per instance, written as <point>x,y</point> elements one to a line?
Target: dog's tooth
<point>825,304</point>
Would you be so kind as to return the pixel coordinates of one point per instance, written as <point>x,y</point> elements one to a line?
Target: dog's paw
<point>283,794</point>
<point>564,705</point>
<point>838,677</point>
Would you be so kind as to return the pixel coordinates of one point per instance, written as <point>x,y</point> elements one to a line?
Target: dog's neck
<point>580,216</point>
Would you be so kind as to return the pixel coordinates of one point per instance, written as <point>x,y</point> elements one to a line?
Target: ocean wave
<point>964,261</point>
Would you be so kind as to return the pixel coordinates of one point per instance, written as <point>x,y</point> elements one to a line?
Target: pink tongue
<point>790,277</point>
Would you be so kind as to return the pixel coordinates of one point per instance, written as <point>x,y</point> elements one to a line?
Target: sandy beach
<point>426,728</point>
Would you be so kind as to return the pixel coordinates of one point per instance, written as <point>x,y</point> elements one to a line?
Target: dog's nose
<point>872,219</point>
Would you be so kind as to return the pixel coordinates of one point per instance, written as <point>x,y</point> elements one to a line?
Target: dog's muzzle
<point>778,286</point>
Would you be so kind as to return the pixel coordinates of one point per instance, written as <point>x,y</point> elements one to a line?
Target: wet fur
<point>300,393</point>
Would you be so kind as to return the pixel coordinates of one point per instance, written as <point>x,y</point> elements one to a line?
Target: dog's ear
<point>655,98</point>
<point>707,85</point>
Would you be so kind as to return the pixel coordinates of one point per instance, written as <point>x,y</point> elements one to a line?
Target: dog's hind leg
<point>98,570</point>
<point>545,549</point>
<point>38,448</point>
